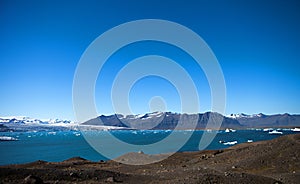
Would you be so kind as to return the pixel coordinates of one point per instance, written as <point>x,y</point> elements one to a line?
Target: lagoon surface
<point>62,145</point>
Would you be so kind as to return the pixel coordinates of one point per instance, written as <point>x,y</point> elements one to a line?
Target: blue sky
<point>256,42</point>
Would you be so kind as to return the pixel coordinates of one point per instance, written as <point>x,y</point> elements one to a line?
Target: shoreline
<point>257,162</point>
<point>15,155</point>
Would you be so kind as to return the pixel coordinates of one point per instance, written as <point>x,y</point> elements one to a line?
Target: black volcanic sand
<point>275,161</point>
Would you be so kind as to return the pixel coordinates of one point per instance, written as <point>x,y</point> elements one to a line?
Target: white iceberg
<point>296,129</point>
<point>275,132</point>
<point>230,143</point>
<point>229,130</point>
<point>6,138</point>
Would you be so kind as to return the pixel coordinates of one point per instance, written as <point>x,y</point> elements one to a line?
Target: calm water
<point>58,146</point>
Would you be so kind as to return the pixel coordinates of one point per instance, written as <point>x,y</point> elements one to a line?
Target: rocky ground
<point>275,161</point>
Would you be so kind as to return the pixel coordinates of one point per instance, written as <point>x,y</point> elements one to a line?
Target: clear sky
<point>256,42</point>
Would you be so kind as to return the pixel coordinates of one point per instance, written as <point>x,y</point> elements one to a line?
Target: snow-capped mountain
<point>153,120</point>
<point>23,124</point>
<point>163,120</point>
<point>243,115</point>
<point>169,120</point>
<point>262,120</point>
<point>22,120</point>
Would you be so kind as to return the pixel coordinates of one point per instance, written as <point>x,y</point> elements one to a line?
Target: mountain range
<point>23,120</point>
<point>169,120</point>
<point>22,123</point>
<point>157,120</point>
<point>262,120</point>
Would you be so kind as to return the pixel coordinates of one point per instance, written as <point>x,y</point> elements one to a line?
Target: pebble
<point>33,180</point>
<point>110,179</point>
<point>141,152</point>
<point>227,174</point>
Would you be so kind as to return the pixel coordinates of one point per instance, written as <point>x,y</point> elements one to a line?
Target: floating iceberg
<point>275,132</point>
<point>229,130</point>
<point>6,138</point>
<point>230,143</point>
<point>296,129</point>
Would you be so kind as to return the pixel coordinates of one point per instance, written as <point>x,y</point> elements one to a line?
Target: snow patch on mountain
<point>242,115</point>
<point>141,116</point>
